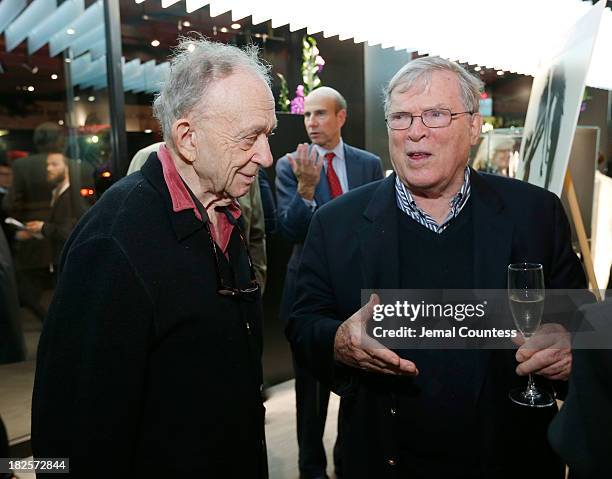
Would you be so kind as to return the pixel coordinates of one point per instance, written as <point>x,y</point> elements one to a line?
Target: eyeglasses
<point>434,118</point>
<point>222,288</point>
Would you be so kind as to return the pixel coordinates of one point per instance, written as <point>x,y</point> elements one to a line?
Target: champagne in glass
<point>526,295</point>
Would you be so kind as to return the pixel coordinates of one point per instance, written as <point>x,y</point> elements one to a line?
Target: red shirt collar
<point>181,199</point>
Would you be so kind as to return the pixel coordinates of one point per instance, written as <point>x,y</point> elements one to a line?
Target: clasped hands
<point>548,353</point>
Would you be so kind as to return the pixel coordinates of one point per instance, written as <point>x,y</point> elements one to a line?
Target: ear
<point>475,128</point>
<point>341,115</point>
<point>184,139</point>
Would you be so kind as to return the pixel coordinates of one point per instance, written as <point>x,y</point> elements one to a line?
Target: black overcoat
<point>143,369</point>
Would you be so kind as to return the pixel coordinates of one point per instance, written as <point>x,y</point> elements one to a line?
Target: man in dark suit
<point>67,206</point>
<point>306,180</point>
<point>29,198</point>
<point>434,224</point>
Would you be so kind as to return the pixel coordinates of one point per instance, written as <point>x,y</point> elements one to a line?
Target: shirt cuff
<point>312,204</point>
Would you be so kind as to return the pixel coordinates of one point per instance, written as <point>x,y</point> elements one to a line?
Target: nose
<point>263,155</point>
<point>417,130</point>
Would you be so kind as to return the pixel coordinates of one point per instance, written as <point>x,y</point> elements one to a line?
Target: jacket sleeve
<point>293,214</point>
<point>92,362</point>
<point>268,203</point>
<point>58,231</point>
<point>378,173</point>
<point>314,320</point>
<point>257,236</point>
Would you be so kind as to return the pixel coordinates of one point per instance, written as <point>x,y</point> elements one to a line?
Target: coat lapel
<point>378,240</point>
<point>492,236</point>
<point>353,168</point>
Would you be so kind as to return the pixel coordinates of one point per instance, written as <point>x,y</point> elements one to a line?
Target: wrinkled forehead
<point>443,85</point>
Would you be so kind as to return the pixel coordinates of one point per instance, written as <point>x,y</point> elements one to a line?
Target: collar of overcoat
<point>184,223</point>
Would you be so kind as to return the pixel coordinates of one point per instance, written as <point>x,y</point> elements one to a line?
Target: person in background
<point>307,179</point>
<point>6,180</point>
<point>12,343</point>
<point>29,198</point>
<point>268,203</point>
<point>66,207</point>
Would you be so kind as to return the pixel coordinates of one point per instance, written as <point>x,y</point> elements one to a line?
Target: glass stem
<point>531,390</point>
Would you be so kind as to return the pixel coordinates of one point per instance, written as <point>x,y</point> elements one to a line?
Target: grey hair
<point>422,68</point>
<point>196,63</point>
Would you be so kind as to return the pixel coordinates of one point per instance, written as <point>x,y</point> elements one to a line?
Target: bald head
<point>328,93</point>
<point>324,116</point>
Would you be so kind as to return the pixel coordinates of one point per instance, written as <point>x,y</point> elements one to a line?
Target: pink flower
<point>297,104</point>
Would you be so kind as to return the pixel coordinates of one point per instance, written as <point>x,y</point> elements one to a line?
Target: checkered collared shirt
<point>406,203</point>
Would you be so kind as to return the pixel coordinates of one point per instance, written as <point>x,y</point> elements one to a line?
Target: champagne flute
<point>526,295</point>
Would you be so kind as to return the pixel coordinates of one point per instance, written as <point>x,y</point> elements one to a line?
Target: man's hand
<point>23,235</point>
<point>307,170</point>
<point>355,348</point>
<point>34,227</point>
<point>547,353</point>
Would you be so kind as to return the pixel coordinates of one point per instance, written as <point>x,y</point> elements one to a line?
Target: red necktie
<point>332,179</point>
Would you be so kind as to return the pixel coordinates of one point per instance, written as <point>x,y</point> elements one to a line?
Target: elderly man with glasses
<point>435,224</point>
<point>149,362</point>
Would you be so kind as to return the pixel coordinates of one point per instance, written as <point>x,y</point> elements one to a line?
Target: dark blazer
<point>143,369</point>
<point>65,214</point>
<point>294,215</point>
<point>582,431</point>
<point>28,199</point>
<point>353,244</point>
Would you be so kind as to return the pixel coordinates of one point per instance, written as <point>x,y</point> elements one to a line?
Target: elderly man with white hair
<point>149,363</point>
<point>435,224</point>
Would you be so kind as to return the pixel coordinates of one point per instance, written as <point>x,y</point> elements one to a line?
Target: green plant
<point>311,66</point>
<point>283,96</point>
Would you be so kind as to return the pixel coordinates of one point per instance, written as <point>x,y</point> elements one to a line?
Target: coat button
<point>393,411</point>
<point>391,462</point>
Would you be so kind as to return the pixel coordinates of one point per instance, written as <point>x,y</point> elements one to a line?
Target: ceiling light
<point>236,26</point>
<point>70,31</point>
<point>477,69</point>
<point>67,60</point>
<point>186,23</point>
<point>500,73</point>
<point>148,130</point>
<point>77,98</point>
<point>30,88</point>
<point>190,47</point>
<point>60,122</point>
<point>155,43</point>
<point>34,70</point>
<point>95,139</point>
<point>54,76</point>
<point>224,30</point>
<point>91,98</point>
